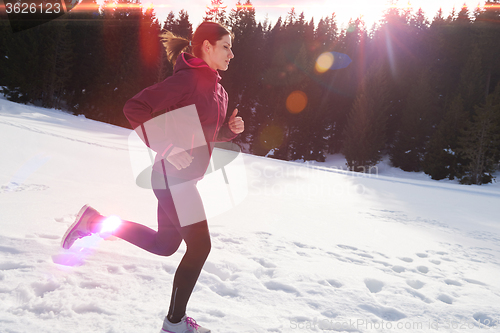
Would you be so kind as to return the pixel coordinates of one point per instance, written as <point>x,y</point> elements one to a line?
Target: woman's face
<point>218,56</point>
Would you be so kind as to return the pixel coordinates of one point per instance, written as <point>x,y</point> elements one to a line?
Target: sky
<point>370,10</point>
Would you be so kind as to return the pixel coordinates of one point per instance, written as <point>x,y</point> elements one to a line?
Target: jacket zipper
<point>218,110</point>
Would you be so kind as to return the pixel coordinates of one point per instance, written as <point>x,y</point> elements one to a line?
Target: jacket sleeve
<point>225,134</point>
<point>140,109</point>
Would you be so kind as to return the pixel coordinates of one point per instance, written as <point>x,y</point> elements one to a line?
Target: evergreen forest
<point>425,92</point>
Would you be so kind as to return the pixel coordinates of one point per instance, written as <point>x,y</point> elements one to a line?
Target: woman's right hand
<point>179,158</point>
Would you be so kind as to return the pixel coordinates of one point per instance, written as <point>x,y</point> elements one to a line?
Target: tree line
<point>425,93</point>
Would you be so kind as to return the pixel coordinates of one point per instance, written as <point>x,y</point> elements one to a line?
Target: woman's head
<point>211,42</point>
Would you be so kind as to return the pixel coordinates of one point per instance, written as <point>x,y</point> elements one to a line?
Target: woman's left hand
<point>236,124</point>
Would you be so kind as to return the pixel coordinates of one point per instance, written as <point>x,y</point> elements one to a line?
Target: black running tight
<point>166,241</point>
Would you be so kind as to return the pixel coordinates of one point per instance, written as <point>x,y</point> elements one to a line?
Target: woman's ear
<point>206,46</point>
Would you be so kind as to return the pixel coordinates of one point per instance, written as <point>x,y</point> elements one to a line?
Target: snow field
<point>312,248</point>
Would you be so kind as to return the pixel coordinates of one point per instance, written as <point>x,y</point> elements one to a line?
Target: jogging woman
<point>195,83</point>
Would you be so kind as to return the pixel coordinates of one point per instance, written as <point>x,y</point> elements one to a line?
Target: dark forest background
<point>425,93</point>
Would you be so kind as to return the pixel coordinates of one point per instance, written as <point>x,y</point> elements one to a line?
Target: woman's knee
<point>200,249</point>
<point>167,249</point>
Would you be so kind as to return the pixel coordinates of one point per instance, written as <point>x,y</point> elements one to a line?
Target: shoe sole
<point>74,226</point>
<point>164,331</point>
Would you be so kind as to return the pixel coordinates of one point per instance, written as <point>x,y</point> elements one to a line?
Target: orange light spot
<point>296,101</point>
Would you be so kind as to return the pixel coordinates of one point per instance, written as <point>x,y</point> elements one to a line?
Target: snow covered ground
<point>312,248</point>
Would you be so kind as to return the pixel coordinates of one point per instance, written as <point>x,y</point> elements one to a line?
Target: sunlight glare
<point>109,225</point>
<point>324,62</point>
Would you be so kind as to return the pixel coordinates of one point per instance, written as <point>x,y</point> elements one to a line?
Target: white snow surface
<point>312,248</point>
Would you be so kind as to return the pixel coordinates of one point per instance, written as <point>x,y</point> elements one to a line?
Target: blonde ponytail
<point>174,45</point>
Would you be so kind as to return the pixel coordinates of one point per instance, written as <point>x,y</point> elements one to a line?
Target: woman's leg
<point>195,234</point>
<point>167,239</point>
<point>197,238</point>
<point>164,242</point>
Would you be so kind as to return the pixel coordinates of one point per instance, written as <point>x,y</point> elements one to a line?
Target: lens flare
<point>109,225</point>
<point>324,62</point>
<point>296,101</point>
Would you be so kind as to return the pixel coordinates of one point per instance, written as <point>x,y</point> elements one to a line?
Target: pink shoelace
<point>191,322</point>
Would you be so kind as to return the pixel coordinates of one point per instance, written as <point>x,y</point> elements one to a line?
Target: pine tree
<point>480,142</point>
<point>487,32</point>
<point>5,31</point>
<point>242,78</point>
<point>37,63</point>
<point>441,159</point>
<point>471,84</point>
<point>419,21</point>
<point>216,13</point>
<point>165,68</point>
<point>86,25</point>
<point>183,26</point>
<point>57,62</point>
<point>364,135</point>
<point>463,15</point>
<point>417,120</point>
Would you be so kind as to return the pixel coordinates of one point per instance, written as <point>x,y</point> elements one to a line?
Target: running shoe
<point>80,228</point>
<point>186,325</point>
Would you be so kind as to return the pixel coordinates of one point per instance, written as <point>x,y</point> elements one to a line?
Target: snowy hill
<point>312,247</point>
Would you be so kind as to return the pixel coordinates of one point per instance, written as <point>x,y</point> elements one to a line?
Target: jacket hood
<point>187,61</point>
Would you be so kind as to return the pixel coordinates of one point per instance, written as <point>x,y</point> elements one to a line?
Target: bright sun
<point>371,11</point>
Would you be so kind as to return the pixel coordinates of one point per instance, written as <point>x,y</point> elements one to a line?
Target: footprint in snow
<point>304,246</point>
<point>422,255</point>
<point>114,269</point>
<point>230,240</point>
<point>452,282</point>
<point>7,266</point>
<point>278,286</point>
<point>423,269</point>
<point>217,270</point>
<point>264,263</point>
<point>475,282</point>
<point>216,313</point>
<point>347,247</point>
<point>329,314</point>
<point>445,299</point>
<point>365,255</point>
<point>8,249</point>
<point>484,319</point>
<point>398,269</point>
<point>42,288</point>
<point>415,284</point>
<point>353,260</point>
<point>373,285</point>
<point>331,282</point>
<point>222,290</point>
<point>406,259</point>
<point>384,313</point>
<point>130,267</point>
<point>419,295</point>
<point>386,264</point>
